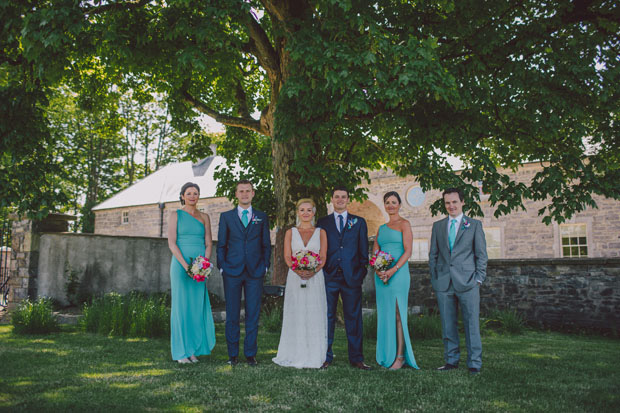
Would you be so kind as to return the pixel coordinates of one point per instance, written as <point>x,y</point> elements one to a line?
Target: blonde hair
<point>306,201</point>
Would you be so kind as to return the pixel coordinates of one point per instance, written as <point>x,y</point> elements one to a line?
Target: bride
<point>303,342</point>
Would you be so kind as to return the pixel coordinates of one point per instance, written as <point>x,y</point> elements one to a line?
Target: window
<point>494,242</point>
<point>125,217</point>
<point>419,250</point>
<point>574,240</point>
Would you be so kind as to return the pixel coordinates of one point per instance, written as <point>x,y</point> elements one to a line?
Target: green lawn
<point>75,371</point>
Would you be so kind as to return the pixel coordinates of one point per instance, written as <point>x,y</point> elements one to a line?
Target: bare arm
<point>208,235</point>
<point>172,240</point>
<point>287,248</point>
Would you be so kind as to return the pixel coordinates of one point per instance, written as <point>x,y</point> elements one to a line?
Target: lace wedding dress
<point>303,341</point>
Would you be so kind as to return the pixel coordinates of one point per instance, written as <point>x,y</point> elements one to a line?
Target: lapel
<point>251,224</point>
<point>236,221</point>
<point>350,217</point>
<point>331,223</point>
<point>460,232</point>
<point>442,236</point>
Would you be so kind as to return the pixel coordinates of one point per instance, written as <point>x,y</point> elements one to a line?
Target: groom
<point>345,269</point>
<point>243,254</point>
<point>458,266</point>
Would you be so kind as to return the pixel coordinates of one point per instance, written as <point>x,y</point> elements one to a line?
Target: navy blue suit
<point>345,269</point>
<point>243,255</point>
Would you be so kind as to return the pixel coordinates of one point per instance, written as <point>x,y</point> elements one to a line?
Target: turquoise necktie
<point>244,217</point>
<point>452,233</point>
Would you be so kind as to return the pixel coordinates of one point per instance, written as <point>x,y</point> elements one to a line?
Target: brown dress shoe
<point>360,365</point>
<point>325,365</point>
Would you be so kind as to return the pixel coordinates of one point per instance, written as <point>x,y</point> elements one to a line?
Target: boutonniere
<point>466,223</point>
<point>351,222</point>
<point>256,220</point>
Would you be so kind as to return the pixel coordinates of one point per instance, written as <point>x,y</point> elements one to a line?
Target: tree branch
<point>246,122</point>
<point>262,48</point>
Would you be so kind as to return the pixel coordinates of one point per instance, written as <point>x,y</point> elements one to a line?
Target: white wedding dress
<point>303,341</point>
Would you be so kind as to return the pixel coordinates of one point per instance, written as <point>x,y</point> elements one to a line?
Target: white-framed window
<point>493,236</point>
<point>574,240</point>
<point>124,217</point>
<point>419,249</point>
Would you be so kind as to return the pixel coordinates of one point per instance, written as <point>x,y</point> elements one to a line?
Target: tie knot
<point>245,212</point>
<point>454,221</point>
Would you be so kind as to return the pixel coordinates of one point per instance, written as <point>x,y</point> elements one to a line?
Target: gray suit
<point>456,277</point>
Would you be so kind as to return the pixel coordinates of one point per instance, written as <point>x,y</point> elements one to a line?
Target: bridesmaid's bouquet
<point>200,269</point>
<point>381,261</point>
<point>305,260</point>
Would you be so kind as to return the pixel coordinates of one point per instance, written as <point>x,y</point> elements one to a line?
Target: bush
<point>135,315</point>
<point>421,326</point>
<point>34,317</point>
<point>271,313</point>
<point>424,325</point>
<point>504,321</point>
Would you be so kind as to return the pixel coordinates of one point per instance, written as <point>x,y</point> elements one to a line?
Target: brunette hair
<point>454,191</point>
<point>394,194</point>
<point>185,188</point>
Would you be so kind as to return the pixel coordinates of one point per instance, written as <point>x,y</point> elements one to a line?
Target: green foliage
<point>421,326</point>
<point>134,314</point>
<point>343,87</point>
<point>34,317</point>
<point>504,321</point>
<point>271,313</point>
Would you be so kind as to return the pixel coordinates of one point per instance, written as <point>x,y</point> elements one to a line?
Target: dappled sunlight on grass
<point>186,409</point>
<point>124,385</point>
<point>259,399</point>
<point>138,364</point>
<point>23,383</point>
<point>500,404</point>
<point>137,340</point>
<point>271,352</point>
<point>141,373</point>
<point>224,369</point>
<point>537,355</point>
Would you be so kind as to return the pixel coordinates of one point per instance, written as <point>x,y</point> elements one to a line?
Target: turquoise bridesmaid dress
<point>191,323</point>
<point>396,291</point>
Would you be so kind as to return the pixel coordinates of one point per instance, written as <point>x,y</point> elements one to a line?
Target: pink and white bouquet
<point>305,260</point>
<point>200,269</point>
<point>381,261</point>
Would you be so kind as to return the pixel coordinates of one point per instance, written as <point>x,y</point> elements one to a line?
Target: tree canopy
<point>344,86</point>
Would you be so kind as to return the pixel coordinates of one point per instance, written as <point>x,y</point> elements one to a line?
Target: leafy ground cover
<point>77,371</point>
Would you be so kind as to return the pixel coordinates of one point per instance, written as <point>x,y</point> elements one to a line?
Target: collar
<point>344,214</point>
<point>240,211</point>
<point>458,219</point>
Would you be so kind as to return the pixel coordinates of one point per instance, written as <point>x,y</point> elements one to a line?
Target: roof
<point>164,185</point>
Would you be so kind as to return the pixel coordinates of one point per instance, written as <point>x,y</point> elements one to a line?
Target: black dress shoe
<point>447,367</point>
<point>360,365</point>
<point>251,361</point>
<point>233,361</point>
<point>325,365</point>
<point>473,370</point>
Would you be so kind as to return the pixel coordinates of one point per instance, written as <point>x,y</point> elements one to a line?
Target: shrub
<point>271,313</point>
<point>504,321</point>
<point>34,317</point>
<point>135,314</point>
<point>421,326</point>
<point>424,325</point>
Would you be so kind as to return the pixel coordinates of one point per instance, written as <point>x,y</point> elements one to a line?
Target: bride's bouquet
<point>381,261</point>
<point>305,260</point>
<point>199,269</point>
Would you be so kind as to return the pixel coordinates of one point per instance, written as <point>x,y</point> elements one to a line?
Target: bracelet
<point>396,267</point>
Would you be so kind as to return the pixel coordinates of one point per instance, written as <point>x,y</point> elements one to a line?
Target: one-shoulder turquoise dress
<point>396,291</point>
<point>191,323</point>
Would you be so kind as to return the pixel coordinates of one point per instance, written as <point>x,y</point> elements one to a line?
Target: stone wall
<point>146,220</point>
<point>551,292</point>
<point>105,264</point>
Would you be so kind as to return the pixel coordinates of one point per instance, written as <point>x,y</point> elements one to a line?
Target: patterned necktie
<point>340,223</point>
<point>452,233</point>
<point>244,217</point>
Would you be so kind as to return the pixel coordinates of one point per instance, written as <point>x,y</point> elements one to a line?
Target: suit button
<point>341,247</point>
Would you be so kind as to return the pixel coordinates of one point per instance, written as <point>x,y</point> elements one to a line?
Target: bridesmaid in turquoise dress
<point>392,289</point>
<point>192,332</point>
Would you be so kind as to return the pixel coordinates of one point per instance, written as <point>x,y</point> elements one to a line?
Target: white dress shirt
<point>457,224</point>
<point>344,219</point>
<point>240,213</point>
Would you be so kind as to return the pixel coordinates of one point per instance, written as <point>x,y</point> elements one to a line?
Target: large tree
<point>343,85</point>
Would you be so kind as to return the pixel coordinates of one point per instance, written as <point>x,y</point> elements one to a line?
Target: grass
<point>77,371</point>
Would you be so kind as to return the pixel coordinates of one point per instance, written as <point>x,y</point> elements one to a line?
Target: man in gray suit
<point>458,266</point>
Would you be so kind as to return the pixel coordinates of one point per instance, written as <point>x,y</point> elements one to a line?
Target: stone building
<point>140,210</point>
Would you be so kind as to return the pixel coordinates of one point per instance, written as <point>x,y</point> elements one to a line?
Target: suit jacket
<point>347,250</point>
<point>466,264</point>
<point>240,247</point>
